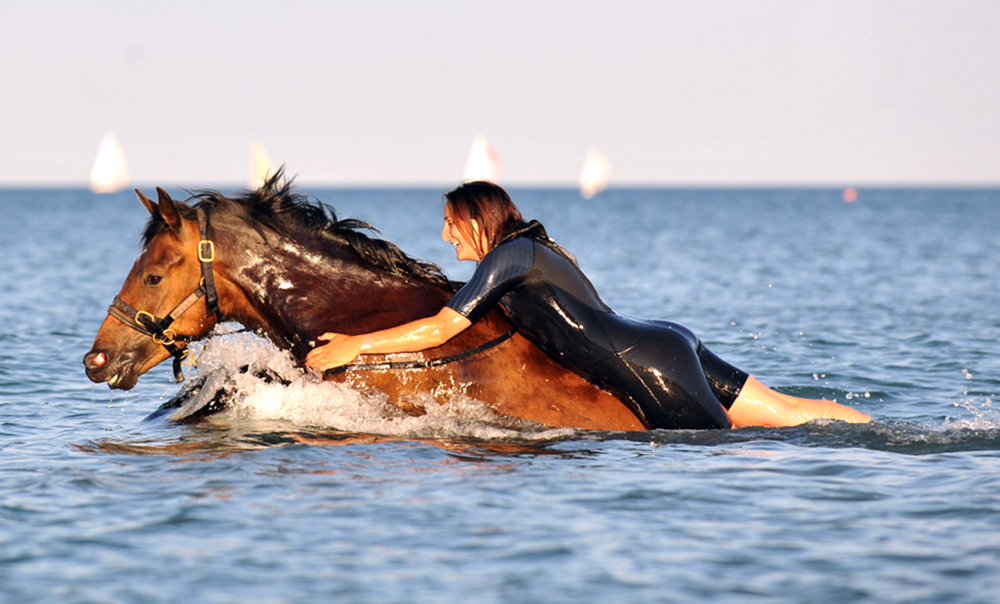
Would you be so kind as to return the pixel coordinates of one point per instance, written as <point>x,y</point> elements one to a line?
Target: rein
<point>458,356</point>
<point>159,329</point>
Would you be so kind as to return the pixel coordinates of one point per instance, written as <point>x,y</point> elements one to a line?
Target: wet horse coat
<point>288,269</point>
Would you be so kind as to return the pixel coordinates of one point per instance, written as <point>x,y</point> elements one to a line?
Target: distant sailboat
<point>110,172</point>
<point>483,163</point>
<point>260,165</point>
<point>595,174</point>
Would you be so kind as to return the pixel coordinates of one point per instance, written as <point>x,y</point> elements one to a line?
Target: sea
<point>312,492</point>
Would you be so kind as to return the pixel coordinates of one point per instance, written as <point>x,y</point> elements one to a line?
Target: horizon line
<point>533,185</point>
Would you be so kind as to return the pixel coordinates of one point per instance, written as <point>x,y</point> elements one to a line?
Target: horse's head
<point>162,305</point>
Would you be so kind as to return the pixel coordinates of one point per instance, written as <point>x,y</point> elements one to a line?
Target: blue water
<point>888,304</point>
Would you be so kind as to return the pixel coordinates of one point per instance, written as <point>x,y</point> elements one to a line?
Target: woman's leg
<point>758,405</point>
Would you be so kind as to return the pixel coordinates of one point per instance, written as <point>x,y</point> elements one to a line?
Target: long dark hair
<point>490,206</point>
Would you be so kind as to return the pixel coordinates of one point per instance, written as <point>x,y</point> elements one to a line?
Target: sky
<point>383,92</point>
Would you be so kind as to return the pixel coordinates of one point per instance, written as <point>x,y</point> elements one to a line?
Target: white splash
<point>310,402</point>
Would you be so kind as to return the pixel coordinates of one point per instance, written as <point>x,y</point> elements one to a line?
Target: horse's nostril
<point>95,360</point>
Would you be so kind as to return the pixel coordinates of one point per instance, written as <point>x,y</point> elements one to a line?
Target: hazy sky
<point>835,92</point>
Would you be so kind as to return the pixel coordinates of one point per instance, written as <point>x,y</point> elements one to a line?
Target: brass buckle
<point>204,245</point>
<point>190,358</point>
<point>140,313</point>
<point>167,339</point>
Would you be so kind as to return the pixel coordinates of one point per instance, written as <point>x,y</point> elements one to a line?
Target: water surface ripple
<point>887,304</point>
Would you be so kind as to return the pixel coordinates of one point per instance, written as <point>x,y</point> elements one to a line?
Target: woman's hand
<point>409,337</point>
<point>340,350</point>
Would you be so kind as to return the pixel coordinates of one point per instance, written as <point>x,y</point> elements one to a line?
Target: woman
<point>659,369</point>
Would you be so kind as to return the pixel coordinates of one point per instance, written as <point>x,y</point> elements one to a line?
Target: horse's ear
<point>168,210</point>
<point>148,203</point>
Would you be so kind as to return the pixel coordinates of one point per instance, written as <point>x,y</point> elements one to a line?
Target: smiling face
<point>464,249</point>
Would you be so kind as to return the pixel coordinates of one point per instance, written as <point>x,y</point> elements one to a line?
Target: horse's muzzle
<point>99,369</point>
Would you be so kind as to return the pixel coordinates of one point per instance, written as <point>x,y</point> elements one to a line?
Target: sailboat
<point>595,173</point>
<point>260,165</point>
<point>483,163</point>
<point>110,172</point>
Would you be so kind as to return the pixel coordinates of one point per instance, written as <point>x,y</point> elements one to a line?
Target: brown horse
<point>286,268</point>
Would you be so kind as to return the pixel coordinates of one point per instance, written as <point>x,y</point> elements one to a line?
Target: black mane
<point>275,207</point>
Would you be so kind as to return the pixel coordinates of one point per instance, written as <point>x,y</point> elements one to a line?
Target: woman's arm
<point>409,337</point>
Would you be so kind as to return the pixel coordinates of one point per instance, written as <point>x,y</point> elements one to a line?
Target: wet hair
<point>490,206</point>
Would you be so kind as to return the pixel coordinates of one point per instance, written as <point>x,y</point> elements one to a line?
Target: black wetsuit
<point>658,368</point>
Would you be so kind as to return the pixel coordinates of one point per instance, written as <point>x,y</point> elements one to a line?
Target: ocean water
<point>313,492</point>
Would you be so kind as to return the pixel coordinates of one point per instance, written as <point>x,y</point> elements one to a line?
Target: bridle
<point>159,329</point>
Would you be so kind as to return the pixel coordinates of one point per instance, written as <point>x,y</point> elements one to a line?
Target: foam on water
<point>247,366</point>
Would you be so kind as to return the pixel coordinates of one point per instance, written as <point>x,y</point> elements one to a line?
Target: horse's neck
<point>293,295</point>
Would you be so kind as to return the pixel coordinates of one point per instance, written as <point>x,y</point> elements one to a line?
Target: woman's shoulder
<point>519,251</point>
<point>516,244</point>
<point>532,235</point>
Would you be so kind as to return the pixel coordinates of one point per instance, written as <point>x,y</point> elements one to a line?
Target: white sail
<point>110,172</point>
<point>260,165</point>
<point>595,173</point>
<point>483,163</point>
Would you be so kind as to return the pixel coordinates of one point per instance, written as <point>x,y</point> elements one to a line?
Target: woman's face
<point>464,250</point>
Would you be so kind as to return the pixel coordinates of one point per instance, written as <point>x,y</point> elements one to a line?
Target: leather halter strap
<point>159,329</point>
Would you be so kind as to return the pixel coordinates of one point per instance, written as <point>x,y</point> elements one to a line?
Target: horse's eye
<point>153,280</point>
